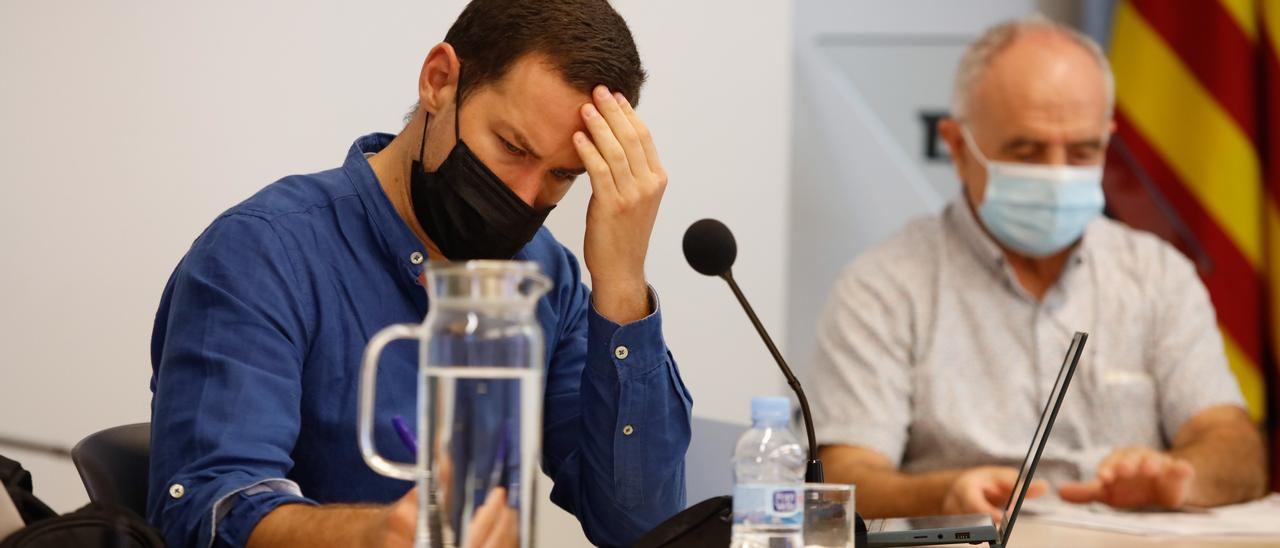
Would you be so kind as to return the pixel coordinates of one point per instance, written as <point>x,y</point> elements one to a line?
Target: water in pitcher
<point>479,409</point>
<point>479,479</point>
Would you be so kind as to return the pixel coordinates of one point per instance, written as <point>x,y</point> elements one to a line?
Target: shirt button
<point>621,352</point>
<point>415,257</point>
<point>628,430</point>
<point>177,490</point>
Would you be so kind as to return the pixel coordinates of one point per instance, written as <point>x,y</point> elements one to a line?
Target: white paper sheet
<point>1258,519</point>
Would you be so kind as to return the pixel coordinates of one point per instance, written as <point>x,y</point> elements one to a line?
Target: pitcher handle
<point>368,386</point>
<point>540,286</point>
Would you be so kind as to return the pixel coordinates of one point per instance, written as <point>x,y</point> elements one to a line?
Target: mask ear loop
<point>973,145</point>
<point>422,149</point>
<point>457,121</point>
<point>457,109</point>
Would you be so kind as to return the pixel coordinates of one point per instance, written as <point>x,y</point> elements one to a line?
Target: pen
<point>405,435</point>
<point>497,478</point>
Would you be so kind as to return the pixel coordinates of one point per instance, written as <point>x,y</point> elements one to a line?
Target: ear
<point>438,81</point>
<point>971,174</point>
<point>949,130</point>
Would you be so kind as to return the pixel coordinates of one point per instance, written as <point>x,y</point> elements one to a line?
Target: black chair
<point>114,463</point>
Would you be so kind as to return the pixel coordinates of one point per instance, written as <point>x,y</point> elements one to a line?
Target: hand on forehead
<point>533,102</point>
<point>522,125</point>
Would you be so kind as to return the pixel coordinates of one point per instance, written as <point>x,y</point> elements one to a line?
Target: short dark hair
<point>586,40</point>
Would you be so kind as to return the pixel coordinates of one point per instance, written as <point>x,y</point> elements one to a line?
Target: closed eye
<point>565,175</point>
<point>512,149</point>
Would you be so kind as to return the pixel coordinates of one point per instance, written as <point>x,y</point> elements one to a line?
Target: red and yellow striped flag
<point>1198,161</point>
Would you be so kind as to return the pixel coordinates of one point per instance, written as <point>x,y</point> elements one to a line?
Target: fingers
<point>1002,483</point>
<point>495,524</point>
<point>610,148</point>
<point>1081,492</point>
<point>642,132</point>
<point>1181,469</point>
<point>1005,478</point>
<point>1122,464</point>
<point>485,521</point>
<point>1174,486</point>
<point>1152,465</point>
<point>980,490</point>
<point>975,500</point>
<point>624,142</point>
<point>1135,477</point>
<point>506,533</point>
<point>597,167</point>
<point>623,130</point>
<point>1106,472</point>
<point>983,503</point>
<point>996,495</point>
<point>1107,469</point>
<point>1037,489</point>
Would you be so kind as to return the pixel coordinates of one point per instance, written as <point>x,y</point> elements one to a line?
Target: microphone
<point>710,249</point>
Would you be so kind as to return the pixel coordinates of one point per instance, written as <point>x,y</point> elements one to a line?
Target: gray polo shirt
<point>932,353</point>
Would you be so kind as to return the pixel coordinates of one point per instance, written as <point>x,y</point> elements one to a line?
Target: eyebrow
<point>1019,142</point>
<point>1094,143</point>
<point>523,143</point>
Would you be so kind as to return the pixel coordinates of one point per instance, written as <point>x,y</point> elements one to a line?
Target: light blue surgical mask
<point>1037,210</point>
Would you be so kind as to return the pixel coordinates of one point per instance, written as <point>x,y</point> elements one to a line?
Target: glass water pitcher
<point>479,408</point>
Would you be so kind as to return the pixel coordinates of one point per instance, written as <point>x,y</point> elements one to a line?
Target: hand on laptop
<point>1135,477</point>
<point>986,490</point>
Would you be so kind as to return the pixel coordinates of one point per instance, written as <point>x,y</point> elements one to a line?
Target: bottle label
<point>768,504</point>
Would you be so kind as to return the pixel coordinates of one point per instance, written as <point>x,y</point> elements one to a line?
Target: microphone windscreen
<point>709,247</point>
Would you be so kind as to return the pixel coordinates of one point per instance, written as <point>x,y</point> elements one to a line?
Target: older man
<point>939,346</point>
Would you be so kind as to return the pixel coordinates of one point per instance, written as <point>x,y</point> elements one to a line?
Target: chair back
<point>114,463</point>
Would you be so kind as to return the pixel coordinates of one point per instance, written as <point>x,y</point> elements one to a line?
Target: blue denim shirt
<point>256,356</point>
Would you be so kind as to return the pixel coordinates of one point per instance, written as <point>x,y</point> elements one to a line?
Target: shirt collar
<point>398,241</point>
<point>960,218</point>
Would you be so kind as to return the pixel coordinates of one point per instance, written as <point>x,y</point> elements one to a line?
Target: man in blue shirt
<point>259,333</point>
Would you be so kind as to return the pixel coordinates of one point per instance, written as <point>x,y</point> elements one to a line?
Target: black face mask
<point>466,210</point>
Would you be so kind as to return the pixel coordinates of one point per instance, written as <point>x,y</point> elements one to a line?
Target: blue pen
<point>498,477</point>
<point>405,434</point>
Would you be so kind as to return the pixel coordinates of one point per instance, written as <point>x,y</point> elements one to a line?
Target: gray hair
<point>979,55</point>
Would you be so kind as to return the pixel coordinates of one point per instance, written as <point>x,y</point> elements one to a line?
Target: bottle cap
<point>770,409</point>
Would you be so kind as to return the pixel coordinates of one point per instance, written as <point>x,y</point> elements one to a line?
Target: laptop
<point>980,528</point>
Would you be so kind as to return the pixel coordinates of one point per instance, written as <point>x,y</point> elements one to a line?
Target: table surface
<point>1031,533</point>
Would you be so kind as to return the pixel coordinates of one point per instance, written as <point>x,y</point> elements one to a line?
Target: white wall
<point>127,126</point>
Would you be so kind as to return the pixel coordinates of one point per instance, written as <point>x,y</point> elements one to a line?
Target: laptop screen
<point>1050,413</point>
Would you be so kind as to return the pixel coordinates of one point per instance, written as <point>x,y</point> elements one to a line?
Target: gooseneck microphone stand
<point>813,468</point>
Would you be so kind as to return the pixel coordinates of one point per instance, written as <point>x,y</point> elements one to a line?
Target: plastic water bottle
<point>768,480</point>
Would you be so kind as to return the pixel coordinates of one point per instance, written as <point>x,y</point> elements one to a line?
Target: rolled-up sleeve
<point>227,350</point>
<point>236,514</point>
<point>617,424</point>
